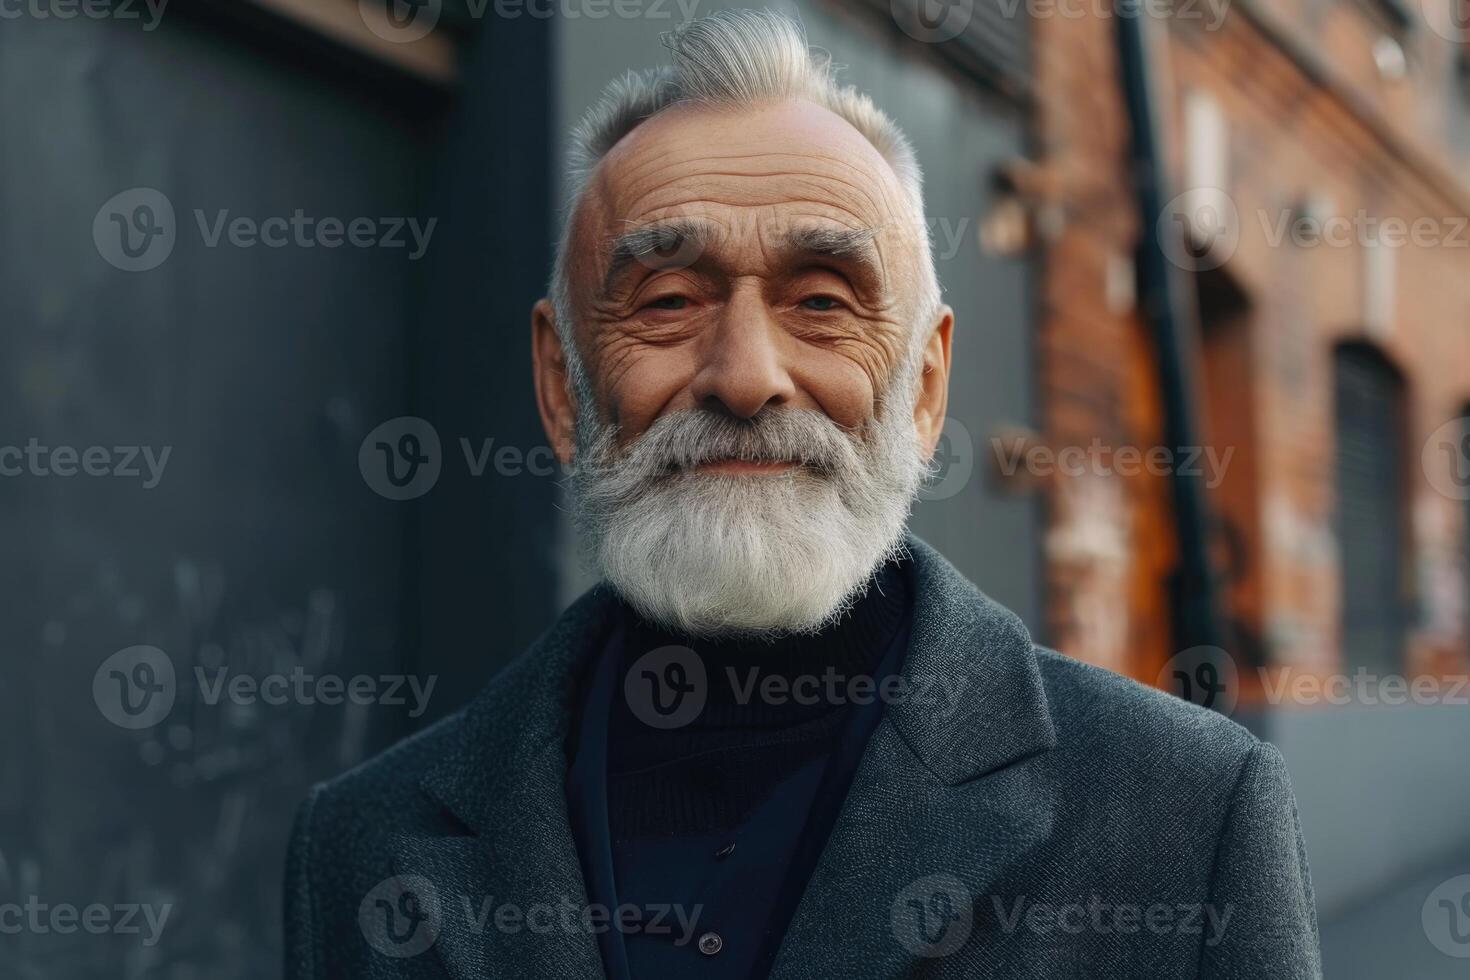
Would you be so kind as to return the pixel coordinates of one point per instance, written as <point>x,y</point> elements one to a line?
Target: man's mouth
<point>747,467</point>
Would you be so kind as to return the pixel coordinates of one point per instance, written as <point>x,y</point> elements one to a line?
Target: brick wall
<point>1332,140</point>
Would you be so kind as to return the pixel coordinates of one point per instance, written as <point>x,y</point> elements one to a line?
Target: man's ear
<point>554,398</point>
<point>934,382</point>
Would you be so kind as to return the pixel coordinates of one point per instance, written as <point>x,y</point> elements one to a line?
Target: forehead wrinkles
<point>646,184</point>
<point>761,232</point>
<point>750,197</point>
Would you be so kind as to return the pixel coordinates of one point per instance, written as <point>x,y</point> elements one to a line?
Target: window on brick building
<point>1370,516</point>
<point>1462,64</point>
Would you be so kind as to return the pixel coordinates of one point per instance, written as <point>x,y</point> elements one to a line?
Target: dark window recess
<point>1461,462</point>
<point>1370,507</point>
<point>1394,15</point>
<point>992,43</point>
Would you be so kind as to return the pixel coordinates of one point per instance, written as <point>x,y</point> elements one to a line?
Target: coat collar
<point>978,703</point>
<point>976,706</point>
<point>513,735</point>
<point>503,777</point>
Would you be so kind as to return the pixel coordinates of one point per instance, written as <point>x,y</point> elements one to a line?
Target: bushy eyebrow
<point>667,238</point>
<point>691,238</point>
<point>834,242</point>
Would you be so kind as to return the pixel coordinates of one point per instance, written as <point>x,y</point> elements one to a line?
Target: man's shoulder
<point>390,786</point>
<point>1114,724</point>
<point>398,769</point>
<point>1080,684</point>
<point>470,752</point>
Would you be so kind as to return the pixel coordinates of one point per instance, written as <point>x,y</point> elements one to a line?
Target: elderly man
<point>783,738</point>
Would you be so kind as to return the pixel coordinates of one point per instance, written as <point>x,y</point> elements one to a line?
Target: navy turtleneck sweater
<point>706,833</point>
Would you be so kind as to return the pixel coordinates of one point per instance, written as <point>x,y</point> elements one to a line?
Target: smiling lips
<point>758,467</point>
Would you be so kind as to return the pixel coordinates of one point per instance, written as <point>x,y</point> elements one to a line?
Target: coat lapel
<point>937,812</point>
<point>504,780</point>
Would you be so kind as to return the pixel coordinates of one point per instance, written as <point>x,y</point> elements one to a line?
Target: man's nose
<point>743,367</point>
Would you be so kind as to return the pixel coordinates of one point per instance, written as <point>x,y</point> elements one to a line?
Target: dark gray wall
<point>485,572</point>
<point>262,548</point>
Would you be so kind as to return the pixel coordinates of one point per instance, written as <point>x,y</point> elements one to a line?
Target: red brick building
<point>1333,136</point>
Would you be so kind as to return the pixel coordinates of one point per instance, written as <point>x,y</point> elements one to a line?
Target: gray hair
<point>730,58</point>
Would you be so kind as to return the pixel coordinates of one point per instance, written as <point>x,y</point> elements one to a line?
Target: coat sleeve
<point>300,902</point>
<point>1260,881</point>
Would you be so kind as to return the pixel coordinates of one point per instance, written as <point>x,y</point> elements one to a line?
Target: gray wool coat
<point>1018,814</point>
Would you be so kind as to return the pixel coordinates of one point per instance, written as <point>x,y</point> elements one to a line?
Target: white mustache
<point>687,439</point>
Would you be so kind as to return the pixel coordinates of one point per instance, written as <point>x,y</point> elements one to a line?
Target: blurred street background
<point>1210,262</point>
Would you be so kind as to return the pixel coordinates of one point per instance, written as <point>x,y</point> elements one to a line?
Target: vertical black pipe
<point>1167,300</point>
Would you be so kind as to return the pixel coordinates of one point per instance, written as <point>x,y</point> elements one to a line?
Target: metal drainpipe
<point>1168,302</point>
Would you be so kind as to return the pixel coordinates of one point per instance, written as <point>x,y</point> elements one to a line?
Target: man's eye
<point>667,303</point>
<point>820,303</point>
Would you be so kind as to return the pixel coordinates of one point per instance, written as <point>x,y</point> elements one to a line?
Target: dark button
<point>725,851</point>
<point>711,943</point>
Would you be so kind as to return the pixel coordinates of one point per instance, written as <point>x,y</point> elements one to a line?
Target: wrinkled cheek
<point>842,388</point>
<point>643,385</point>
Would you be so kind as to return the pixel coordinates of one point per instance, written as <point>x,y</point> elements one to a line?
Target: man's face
<point>745,306</point>
<point>747,266</point>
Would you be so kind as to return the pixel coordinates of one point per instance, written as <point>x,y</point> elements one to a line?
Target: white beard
<point>745,554</point>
